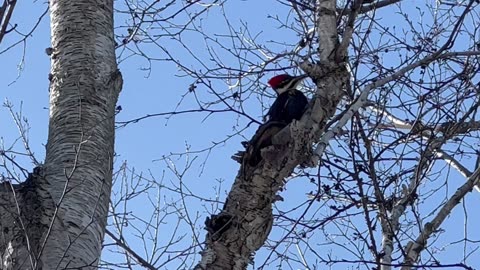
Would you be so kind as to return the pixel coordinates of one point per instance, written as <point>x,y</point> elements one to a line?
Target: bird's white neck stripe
<point>289,86</point>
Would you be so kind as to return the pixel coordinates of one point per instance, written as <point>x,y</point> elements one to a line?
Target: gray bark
<point>246,220</point>
<point>57,218</point>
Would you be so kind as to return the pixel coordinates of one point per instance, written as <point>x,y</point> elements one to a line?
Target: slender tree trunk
<point>57,218</point>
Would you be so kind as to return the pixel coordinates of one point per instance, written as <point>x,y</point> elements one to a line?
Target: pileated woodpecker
<point>290,103</point>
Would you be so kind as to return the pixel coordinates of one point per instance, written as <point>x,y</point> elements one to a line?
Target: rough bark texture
<point>231,244</point>
<point>57,218</point>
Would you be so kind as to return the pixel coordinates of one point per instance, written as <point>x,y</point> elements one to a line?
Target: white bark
<point>63,207</point>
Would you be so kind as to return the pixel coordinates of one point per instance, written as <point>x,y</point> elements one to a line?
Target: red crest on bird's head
<point>279,80</point>
<point>285,82</point>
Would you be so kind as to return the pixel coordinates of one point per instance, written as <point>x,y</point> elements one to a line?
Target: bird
<point>290,102</point>
<point>261,139</point>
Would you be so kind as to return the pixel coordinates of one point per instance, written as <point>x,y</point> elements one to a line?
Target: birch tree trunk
<point>246,220</point>
<point>56,219</point>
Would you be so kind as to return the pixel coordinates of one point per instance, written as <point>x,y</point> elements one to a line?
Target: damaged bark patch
<point>216,225</point>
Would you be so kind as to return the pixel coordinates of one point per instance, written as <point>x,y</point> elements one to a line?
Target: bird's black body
<point>261,139</point>
<point>288,106</point>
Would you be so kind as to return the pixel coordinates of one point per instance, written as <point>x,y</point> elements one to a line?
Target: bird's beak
<point>301,77</point>
<point>298,79</point>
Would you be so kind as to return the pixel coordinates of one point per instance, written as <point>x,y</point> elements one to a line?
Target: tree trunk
<point>243,226</point>
<point>57,218</point>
